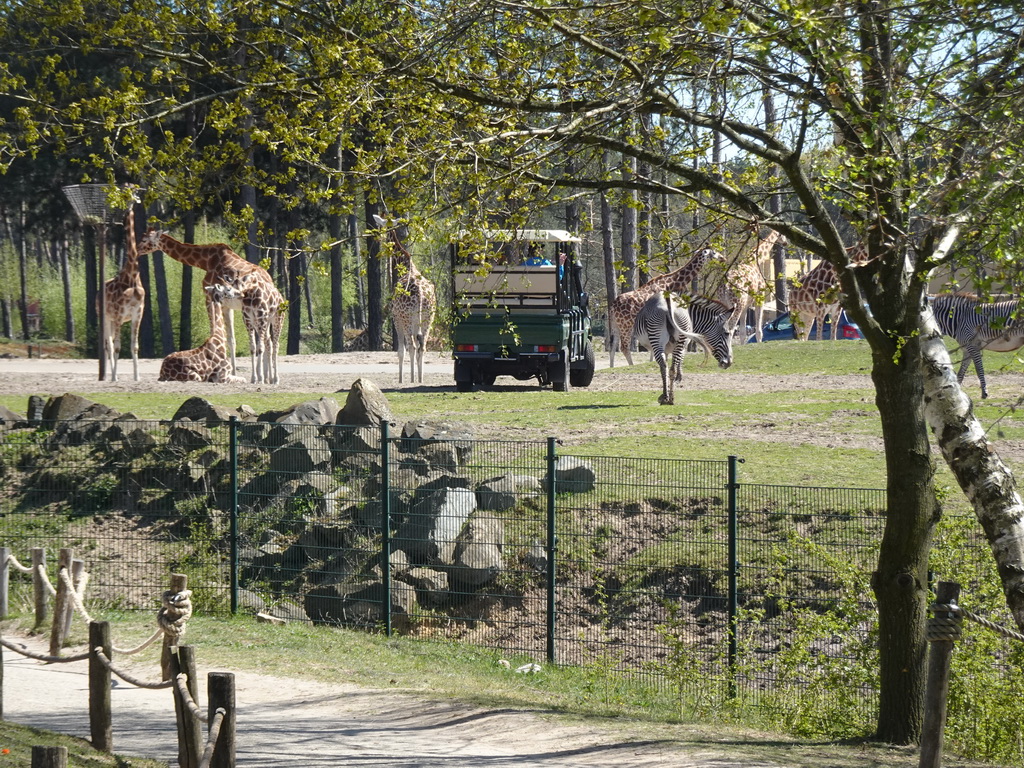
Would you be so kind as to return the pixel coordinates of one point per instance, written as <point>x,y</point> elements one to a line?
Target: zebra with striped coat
<point>976,325</point>
<point>665,326</point>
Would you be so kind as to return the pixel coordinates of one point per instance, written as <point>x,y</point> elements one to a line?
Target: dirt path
<point>292,723</point>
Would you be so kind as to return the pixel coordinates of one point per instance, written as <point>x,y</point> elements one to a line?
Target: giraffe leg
<point>135,347</point>
<point>229,332</point>
<point>418,358</point>
<point>115,354</point>
<point>255,352</point>
<point>400,343</point>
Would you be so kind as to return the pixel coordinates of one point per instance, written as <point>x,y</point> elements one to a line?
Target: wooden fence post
<point>100,718</point>
<point>38,588</point>
<point>220,688</point>
<point>190,732</point>
<point>941,636</point>
<point>77,573</point>
<point>179,583</point>
<point>60,602</point>
<point>5,581</point>
<point>49,757</point>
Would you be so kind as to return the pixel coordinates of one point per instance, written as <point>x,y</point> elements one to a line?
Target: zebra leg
<point>979,369</point>
<point>666,397</point>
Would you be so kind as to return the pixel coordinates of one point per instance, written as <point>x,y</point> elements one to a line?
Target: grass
<point>16,742</point>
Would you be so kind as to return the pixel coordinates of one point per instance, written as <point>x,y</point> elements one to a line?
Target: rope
<point>953,608</point>
<point>18,566</point>
<point>127,677</point>
<point>186,696</point>
<point>46,580</point>
<point>214,734</point>
<point>76,595</point>
<point>145,644</point>
<point>41,656</point>
<point>176,611</point>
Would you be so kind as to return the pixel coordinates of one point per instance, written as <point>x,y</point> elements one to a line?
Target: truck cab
<point>520,309</point>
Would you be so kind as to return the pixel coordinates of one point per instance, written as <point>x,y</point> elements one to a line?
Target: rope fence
<point>177,661</point>
<point>944,629</point>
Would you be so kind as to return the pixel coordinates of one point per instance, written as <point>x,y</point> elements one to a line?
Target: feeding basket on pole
<point>92,206</point>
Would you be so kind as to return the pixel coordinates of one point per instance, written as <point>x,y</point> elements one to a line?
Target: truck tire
<point>581,377</point>
<point>560,373</point>
<point>463,386</point>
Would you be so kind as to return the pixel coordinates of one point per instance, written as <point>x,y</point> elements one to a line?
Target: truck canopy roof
<point>528,235</point>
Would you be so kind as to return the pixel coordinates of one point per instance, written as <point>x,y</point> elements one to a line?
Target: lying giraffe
<point>208,362</point>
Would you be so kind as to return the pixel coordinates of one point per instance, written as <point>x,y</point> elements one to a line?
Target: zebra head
<point>709,318</point>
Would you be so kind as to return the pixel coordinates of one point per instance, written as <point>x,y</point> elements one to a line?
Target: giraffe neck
<point>764,248</point>
<point>200,256</point>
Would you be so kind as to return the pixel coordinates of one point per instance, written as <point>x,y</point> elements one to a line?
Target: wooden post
<point>5,580</point>
<point>220,689</point>
<point>1,682</point>
<point>100,718</point>
<point>49,757</point>
<point>77,573</point>
<point>60,602</point>
<point>38,588</point>
<point>190,732</point>
<point>179,583</point>
<point>940,653</point>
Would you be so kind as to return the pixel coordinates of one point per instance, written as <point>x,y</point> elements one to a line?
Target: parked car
<point>782,328</point>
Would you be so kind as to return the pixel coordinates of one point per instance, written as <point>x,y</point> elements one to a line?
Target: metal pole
<point>101,248</point>
<point>5,575</point>
<point>552,544</point>
<point>734,567</point>
<point>233,452</point>
<point>385,523</point>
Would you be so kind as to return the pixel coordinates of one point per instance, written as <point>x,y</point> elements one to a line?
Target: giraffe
<point>816,295</point>
<point>626,306</point>
<point>209,361</point>
<point>124,298</point>
<point>260,300</point>
<point>744,285</point>
<point>413,304</point>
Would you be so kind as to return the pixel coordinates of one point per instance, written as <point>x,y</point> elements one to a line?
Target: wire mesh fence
<point>639,566</point>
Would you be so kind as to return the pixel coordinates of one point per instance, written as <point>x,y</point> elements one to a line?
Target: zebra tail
<point>700,341</point>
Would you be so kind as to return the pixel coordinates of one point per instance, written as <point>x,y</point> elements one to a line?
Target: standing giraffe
<point>817,295</point>
<point>412,307</point>
<point>209,361</point>
<point>259,298</point>
<point>744,285</point>
<point>626,306</point>
<point>124,299</point>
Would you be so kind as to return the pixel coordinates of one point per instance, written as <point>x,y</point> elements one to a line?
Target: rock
<point>503,493</point>
<point>428,535</point>
<point>416,435</point>
<point>68,407</point>
<point>36,406</point>
<point>365,406</point>
<point>573,475</point>
<point>478,552</point>
<point>360,603</point>
<point>431,586</point>
<point>202,410</point>
<point>189,436</point>
<point>10,419</point>
<point>300,418</point>
<point>301,453</point>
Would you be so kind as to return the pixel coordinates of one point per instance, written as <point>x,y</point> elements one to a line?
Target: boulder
<point>573,475</point>
<point>503,493</point>
<point>416,435</point>
<point>10,420</point>
<point>360,603</point>
<point>428,535</point>
<point>478,552</point>
<point>301,453</point>
<point>303,417</point>
<point>431,586</point>
<point>202,410</point>
<point>365,405</point>
<point>189,436</point>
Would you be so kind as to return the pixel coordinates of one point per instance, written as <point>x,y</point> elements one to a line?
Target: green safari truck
<point>520,309</point>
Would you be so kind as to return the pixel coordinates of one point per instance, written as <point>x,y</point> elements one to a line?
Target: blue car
<point>782,328</point>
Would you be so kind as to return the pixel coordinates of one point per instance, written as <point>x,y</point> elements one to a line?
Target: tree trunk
<point>985,480</point>
<point>357,271</point>
<point>23,274</point>
<point>185,309</point>
<point>374,296</point>
<point>629,272</point>
<point>61,248</point>
<point>608,252</point>
<point>336,226</point>
<point>900,582</point>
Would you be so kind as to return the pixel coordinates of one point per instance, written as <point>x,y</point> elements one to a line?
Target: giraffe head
<point>150,241</point>
<point>220,292</point>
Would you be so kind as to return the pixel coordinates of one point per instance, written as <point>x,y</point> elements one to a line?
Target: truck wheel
<point>581,377</point>
<point>463,386</point>
<point>560,373</point>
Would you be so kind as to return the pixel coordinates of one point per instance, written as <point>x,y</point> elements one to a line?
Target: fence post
<point>233,512</point>
<point>60,603</point>
<point>734,567</point>
<point>385,523</point>
<point>77,574</point>
<point>38,588</point>
<point>552,460</point>
<point>190,736</point>
<point>5,580</point>
<point>220,688</point>
<point>179,583</point>
<point>49,757</point>
<point>100,719</point>
<point>1,681</point>
<point>943,630</point>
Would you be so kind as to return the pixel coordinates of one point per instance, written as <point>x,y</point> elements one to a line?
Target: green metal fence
<point>670,571</point>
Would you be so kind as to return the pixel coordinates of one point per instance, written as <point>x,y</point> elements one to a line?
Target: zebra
<point>666,326</point>
<point>976,325</point>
